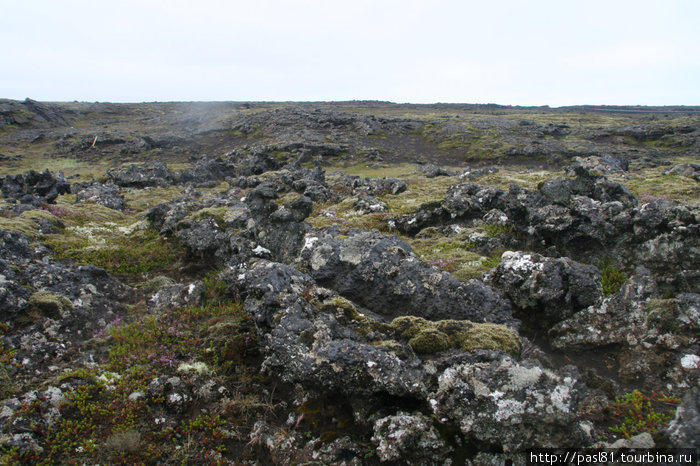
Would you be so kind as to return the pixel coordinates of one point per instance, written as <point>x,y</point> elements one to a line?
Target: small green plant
<point>215,288</point>
<point>494,259</point>
<point>613,278</point>
<point>640,413</point>
<point>494,229</point>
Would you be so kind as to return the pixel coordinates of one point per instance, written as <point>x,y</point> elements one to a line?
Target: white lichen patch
<point>690,361</point>
<point>196,367</point>
<point>522,377</point>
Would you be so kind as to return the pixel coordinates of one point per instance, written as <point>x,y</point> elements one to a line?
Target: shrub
<point>640,413</point>
<point>613,278</point>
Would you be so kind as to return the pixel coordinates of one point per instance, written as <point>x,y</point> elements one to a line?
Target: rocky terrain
<point>345,283</point>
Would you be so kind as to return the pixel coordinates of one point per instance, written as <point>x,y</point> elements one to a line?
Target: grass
<point>142,252</point>
<point>651,183</point>
<point>453,254</point>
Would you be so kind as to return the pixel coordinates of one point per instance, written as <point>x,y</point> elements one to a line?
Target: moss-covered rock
<point>489,336</point>
<point>156,283</point>
<point>49,304</point>
<point>32,222</point>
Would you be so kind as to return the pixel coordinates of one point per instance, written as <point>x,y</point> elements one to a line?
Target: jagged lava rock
<point>547,290</point>
<point>33,187</point>
<point>382,274</point>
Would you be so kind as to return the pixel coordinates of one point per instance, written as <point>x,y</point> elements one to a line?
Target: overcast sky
<point>516,52</point>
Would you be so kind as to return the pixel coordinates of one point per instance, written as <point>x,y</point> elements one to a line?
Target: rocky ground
<point>346,283</point>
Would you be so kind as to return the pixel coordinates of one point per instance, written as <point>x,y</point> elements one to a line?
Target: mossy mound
<point>156,283</point>
<point>49,304</point>
<point>426,337</point>
<point>30,222</point>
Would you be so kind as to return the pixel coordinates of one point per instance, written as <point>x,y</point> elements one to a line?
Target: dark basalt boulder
<point>317,338</point>
<point>691,170</point>
<point>153,174</point>
<point>52,306</point>
<point>207,171</point>
<point>546,290</point>
<point>369,204</point>
<point>34,188</point>
<point>107,194</point>
<point>382,274</point>
<point>177,296</point>
<point>409,437</point>
<point>684,430</point>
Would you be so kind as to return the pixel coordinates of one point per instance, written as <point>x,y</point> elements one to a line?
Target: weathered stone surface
<point>653,333</point>
<point>684,430</point>
<point>410,438</point>
<point>546,290</point>
<point>382,274</point>
<point>516,405</point>
<point>107,195</point>
<point>142,176</point>
<point>177,296</point>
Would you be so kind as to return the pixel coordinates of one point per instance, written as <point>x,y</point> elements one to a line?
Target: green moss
<point>144,199</point>
<point>218,214</point>
<point>489,336</point>
<point>429,341</point>
<point>453,254</point>
<point>140,252</point>
<point>49,304</point>
<point>427,337</point>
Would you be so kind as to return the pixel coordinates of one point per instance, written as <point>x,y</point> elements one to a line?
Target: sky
<point>509,52</point>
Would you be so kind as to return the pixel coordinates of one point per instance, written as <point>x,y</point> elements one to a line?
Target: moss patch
<point>49,304</point>
<point>453,254</point>
<point>426,337</point>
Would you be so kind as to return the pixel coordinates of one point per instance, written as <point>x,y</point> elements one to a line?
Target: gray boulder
<point>410,438</point>
<point>177,296</point>
<point>684,430</point>
<point>104,194</point>
<point>34,188</point>
<point>516,405</point>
